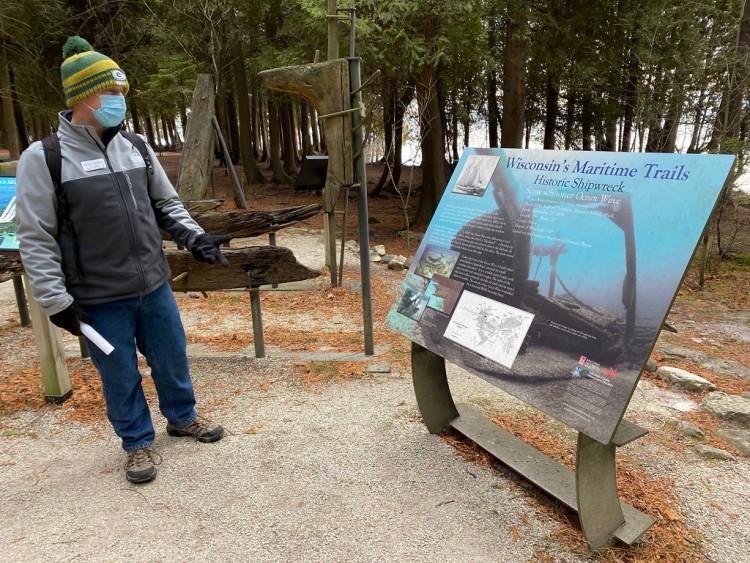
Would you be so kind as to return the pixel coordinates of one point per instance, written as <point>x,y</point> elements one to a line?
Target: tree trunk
<point>274,144</point>
<point>493,110</point>
<point>454,129</point>
<point>389,117</point>
<point>8,130</point>
<point>264,157</point>
<point>610,133</point>
<point>294,123</point>
<point>671,124</point>
<point>698,121</point>
<point>514,77</point>
<point>467,117</point>
<point>738,75</point>
<point>550,120</point>
<point>631,96</point>
<point>433,152</point>
<point>304,114</point>
<point>570,116</point>
<point>314,127</point>
<point>165,131</point>
<point>23,135</point>
<point>253,175</point>
<point>232,129</point>
<point>398,134</point>
<point>287,138</point>
<point>183,119</point>
<point>255,109</point>
<point>135,116</point>
<point>586,121</point>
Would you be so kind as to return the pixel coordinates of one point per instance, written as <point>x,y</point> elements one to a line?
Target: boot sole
<point>141,478</point>
<point>204,439</point>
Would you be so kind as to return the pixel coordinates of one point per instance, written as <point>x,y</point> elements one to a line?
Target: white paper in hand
<point>96,338</point>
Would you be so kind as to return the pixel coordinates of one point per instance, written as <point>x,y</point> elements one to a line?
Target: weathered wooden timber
<point>253,223</point>
<point>195,164</point>
<point>249,267</point>
<point>326,87</point>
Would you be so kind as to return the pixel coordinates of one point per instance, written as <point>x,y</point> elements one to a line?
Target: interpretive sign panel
<point>550,273</point>
<point>8,225</point>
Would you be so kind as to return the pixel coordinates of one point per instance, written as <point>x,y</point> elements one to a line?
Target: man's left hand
<point>205,248</point>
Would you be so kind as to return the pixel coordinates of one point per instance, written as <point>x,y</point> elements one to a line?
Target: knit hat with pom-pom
<point>85,72</point>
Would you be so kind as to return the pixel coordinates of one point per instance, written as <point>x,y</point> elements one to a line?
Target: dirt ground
<point>712,319</point>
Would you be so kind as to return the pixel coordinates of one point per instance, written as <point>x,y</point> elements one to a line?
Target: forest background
<point>614,75</point>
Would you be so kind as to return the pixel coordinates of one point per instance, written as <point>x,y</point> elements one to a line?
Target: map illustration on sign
<point>489,328</point>
<point>549,273</point>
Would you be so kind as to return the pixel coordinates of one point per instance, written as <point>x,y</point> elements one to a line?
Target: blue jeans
<point>152,323</point>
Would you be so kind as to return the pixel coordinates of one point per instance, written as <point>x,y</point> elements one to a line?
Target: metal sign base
<point>590,490</point>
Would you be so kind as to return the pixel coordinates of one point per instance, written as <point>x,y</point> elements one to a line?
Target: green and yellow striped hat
<point>85,72</point>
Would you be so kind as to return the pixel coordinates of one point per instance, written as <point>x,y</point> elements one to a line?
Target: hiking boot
<point>141,465</point>
<point>200,428</point>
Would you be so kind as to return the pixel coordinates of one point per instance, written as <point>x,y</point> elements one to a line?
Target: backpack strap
<point>53,158</point>
<point>138,142</point>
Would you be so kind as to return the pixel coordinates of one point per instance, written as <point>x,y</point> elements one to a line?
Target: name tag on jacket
<point>91,165</point>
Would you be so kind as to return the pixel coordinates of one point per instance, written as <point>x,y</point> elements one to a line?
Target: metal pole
<point>84,347</point>
<point>230,164</point>
<point>343,235</point>
<point>352,30</point>
<point>272,242</point>
<point>360,176</point>
<point>260,346</point>
<point>331,227</point>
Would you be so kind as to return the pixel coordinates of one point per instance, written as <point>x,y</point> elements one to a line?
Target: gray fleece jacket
<point>107,246</point>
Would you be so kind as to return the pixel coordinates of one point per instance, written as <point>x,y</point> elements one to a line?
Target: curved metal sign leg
<point>599,508</point>
<point>431,389</point>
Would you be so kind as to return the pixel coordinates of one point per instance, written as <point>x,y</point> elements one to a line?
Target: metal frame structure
<point>590,490</point>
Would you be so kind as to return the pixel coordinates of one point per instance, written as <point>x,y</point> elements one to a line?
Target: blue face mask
<point>111,111</point>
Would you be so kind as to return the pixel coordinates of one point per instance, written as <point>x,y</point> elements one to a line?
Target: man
<point>93,253</point>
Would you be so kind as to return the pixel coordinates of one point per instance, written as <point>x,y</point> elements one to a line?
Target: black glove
<point>205,248</point>
<point>70,318</point>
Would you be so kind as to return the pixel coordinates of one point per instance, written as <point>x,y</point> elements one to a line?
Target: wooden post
<point>329,229</point>
<point>49,345</point>
<point>333,31</point>
<point>197,152</point>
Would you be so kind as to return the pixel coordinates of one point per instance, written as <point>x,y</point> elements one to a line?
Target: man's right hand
<point>70,319</point>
